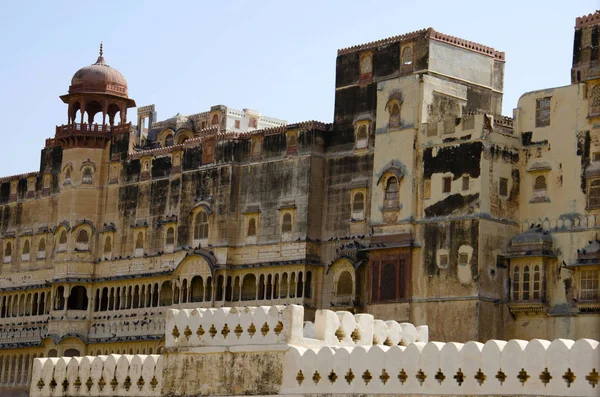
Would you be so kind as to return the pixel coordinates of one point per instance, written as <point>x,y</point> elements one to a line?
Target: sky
<point>277,57</point>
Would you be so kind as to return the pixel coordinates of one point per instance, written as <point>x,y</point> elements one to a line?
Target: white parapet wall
<point>271,350</point>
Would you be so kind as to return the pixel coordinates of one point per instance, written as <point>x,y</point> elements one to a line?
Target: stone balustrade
<point>270,350</point>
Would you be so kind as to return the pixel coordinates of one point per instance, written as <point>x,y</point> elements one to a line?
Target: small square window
<point>447,184</point>
<point>237,124</point>
<point>465,183</point>
<point>427,189</point>
<point>463,259</point>
<point>503,187</point>
<point>542,112</point>
<point>443,261</point>
<point>596,156</point>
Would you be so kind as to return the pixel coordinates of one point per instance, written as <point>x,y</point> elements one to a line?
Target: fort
<point>155,246</point>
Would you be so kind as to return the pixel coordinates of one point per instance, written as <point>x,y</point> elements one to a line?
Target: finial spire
<point>101,52</point>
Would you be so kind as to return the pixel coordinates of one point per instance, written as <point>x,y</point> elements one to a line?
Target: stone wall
<point>270,351</point>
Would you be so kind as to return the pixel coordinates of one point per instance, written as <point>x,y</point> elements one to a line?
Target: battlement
<point>269,350</point>
<point>433,35</point>
<point>588,20</point>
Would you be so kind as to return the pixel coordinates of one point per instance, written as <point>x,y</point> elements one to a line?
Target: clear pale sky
<point>277,57</point>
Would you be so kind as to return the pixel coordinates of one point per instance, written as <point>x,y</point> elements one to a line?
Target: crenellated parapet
<point>116,374</point>
<point>276,325</point>
<point>270,350</point>
<point>517,367</point>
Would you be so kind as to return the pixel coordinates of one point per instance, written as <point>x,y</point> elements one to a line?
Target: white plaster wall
<point>461,63</point>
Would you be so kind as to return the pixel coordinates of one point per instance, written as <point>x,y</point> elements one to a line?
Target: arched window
<point>362,133</point>
<point>286,224</point>
<point>526,283</point>
<point>42,246</point>
<point>215,120</point>
<point>358,204</point>
<point>540,183</point>
<point>86,177</point>
<point>345,285</point>
<point>107,245</point>
<point>139,241</point>
<point>536,283</point>
<point>251,227</point>
<point>68,175</point>
<point>407,56</point>
<point>391,193</point>
<point>63,237</point>
<point>82,240</point>
<point>169,140</point>
<point>201,226</point>
<point>515,283</point>
<point>170,236</point>
<point>26,247</point>
<point>395,114</point>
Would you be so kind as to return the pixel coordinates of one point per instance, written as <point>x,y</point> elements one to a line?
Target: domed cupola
<point>97,89</point>
<point>99,77</point>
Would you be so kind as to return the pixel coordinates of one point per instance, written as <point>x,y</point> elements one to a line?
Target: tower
<point>95,89</point>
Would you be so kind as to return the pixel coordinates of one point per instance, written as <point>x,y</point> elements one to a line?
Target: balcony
<point>90,129</point>
<point>528,308</point>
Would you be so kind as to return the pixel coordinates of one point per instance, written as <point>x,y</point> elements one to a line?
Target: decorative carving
<point>592,378</point>
<point>340,334</point>
<point>114,383</point>
<point>89,383</point>
<point>65,385</point>
<point>153,383</point>
<point>367,377</point>
<point>300,378</point>
<point>187,332</point>
<point>200,332</point>
<point>523,376</point>
<point>316,377</point>
<point>101,383</point>
<point>545,376</point>
<point>238,330</point>
<point>52,384</point>
<point>77,383</point>
<point>264,329</point>
<point>175,332</point>
<point>212,331</point>
<point>501,376</point>
<point>402,377</point>
<point>569,377</point>
<point>225,331</point>
<point>480,377</point>
<point>439,376</point>
<point>127,382</point>
<point>278,328</point>
<point>349,376</point>
<point>355,335</point>
<point>388,342</point>
<point>140,383</point>
<point>460,377</point>
<point>40,384</point>
<point>252,330</point>
<point>332,377</point>
<point>384,377</point>
<point>421,377</point>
